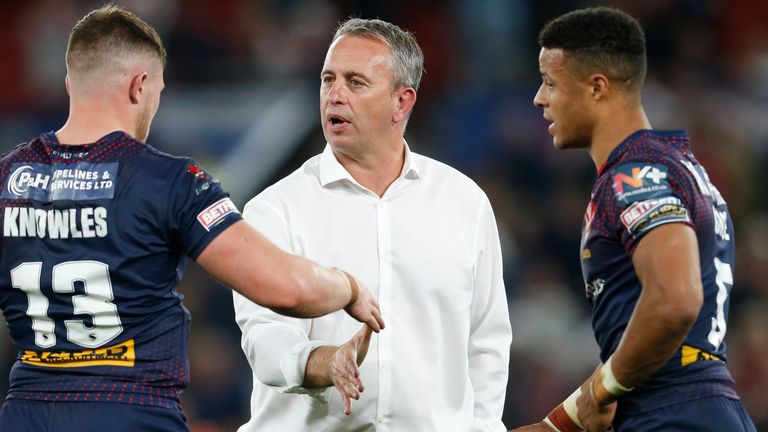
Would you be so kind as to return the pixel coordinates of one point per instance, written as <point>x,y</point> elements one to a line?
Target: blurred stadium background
<point>242,98</point>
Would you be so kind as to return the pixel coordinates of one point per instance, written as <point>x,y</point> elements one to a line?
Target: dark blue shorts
<point>19,415</point>
<point>716,414</point>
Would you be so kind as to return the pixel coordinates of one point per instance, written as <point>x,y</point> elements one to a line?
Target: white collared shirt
<point>429,251</point>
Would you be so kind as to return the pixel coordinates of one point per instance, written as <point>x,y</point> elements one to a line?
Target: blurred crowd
<point>235,66</point>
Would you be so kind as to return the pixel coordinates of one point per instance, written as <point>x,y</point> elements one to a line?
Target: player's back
<point>93,245</point>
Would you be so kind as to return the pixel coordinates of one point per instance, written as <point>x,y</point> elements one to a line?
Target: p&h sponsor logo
<point>47,183</point>
<point>21,179</point>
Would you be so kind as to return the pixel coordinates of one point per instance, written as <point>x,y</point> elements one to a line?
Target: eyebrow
<point>348,75</point>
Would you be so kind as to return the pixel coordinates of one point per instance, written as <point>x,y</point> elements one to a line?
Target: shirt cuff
<point>294,365</point>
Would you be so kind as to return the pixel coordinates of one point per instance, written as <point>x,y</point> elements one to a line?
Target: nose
<point>334,92</point>
<point>538,98</point>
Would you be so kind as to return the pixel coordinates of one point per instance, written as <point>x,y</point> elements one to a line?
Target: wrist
<point>318,372</point>
<point>609,381</point>
<point>565,417</point>
<point>598,392</point>
<point>354,289</point>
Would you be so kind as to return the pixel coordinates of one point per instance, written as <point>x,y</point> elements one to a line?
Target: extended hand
<point>365,309</point>
<point>344,367</point>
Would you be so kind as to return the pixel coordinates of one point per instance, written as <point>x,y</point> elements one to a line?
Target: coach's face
<point>357,101</point>
<point>566,101</point>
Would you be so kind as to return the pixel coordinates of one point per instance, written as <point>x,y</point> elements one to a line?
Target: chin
<point>564,144</point>
<point>338,142</point>
<point>560,143</point>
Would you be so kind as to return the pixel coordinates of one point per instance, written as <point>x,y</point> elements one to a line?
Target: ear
<point>601,87</point>
<point>406,99</point>
<point>136,88</point>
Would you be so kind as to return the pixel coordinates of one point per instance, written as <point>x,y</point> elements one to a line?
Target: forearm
<point>246,261</point>
<point>655,331</point>
<point>321,290</point>
<point>667,265</point>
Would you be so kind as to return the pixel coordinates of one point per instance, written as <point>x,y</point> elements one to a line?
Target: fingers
<point>376,315</point>
<point>367,331</point>
<point>363,340</point>
<point>366,310</point>
<point>349,388</point>
<point>346,375</point>
<point>348,394</point>
<point>374,323</point>
<point>347,404</point>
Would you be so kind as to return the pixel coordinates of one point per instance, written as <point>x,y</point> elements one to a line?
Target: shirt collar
<point>332,171</point>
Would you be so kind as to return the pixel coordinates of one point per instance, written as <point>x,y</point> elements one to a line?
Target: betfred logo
<point>216,212</point>
<point>639,209</point>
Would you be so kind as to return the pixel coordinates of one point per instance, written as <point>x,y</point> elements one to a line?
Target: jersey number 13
<point>96,302</point>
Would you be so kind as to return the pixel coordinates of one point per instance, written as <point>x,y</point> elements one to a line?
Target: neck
<point>617,125</point>
<point>375,171</point>
<point>92,119</point>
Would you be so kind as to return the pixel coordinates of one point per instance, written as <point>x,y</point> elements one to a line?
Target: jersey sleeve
<point>646,196</point>
<point>198,209</point>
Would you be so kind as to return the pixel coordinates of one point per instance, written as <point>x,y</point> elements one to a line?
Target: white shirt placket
<point>385,301</point>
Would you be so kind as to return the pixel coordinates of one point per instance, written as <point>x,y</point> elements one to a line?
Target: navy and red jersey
<point>94,240</point>
<point>651,179</point>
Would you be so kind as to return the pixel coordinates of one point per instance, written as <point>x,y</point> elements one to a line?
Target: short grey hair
<point>407,58</point>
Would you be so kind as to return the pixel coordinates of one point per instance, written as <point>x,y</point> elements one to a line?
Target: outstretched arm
<point>243,259</point>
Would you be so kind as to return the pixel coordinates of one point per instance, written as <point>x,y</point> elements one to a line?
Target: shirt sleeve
<point>199,209</point>
<point>646,196</point>
<point>490,333</point>
<point>277,346</point>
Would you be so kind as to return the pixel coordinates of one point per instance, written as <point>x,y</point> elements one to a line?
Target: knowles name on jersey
<point>83,222</point>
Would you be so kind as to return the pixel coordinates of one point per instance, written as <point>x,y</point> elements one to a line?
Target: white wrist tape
<point>570,407</point>
<point>610,383</point>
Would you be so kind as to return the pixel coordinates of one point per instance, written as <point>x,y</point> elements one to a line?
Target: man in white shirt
<point>420,234</point>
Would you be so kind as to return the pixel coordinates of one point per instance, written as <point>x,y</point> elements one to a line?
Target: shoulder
<point>657,147</point>
<point>18,150</point>
<point>444,176</point>
<point>296,184</point>
<point>150,153</point>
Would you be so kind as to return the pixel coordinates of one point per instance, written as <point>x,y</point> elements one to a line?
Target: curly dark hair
<point>602,40</point>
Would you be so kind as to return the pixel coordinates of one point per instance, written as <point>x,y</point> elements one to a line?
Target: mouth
<point>551,126</point>
<point>337,121</point>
